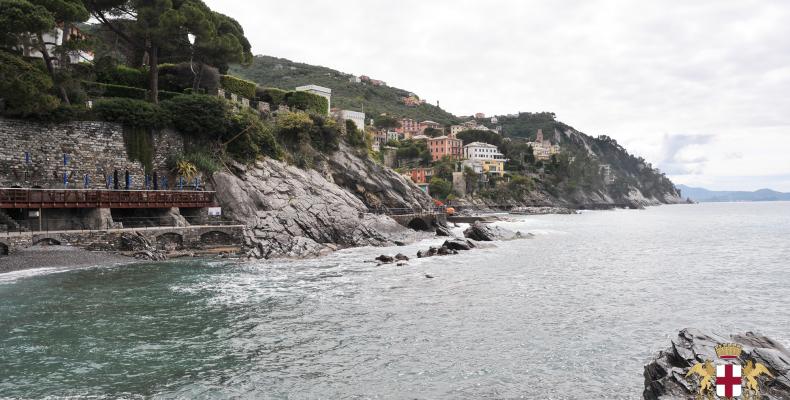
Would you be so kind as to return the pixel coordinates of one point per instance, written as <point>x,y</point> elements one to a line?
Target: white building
<point>354,79</point>
<point>482,151</point>
<point>55,38</point>
<point>319,90</point>
<point>356,116</point>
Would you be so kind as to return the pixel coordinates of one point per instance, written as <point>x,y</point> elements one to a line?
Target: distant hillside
<point>705,195</point>
<point>286,74</point>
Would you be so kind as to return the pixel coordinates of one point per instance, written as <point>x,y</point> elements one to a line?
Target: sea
<point>573,312</point>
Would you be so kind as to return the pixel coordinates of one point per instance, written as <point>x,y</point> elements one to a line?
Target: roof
<point>481,144</point>
<point>314,87</point>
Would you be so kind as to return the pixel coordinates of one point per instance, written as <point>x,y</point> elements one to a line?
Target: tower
<point>539,138</point>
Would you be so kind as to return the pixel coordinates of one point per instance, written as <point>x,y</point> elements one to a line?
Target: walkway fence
<point>144,223</point>
<point>92,198</point>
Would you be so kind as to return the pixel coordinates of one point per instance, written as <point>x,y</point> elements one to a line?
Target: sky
<point>701,89</point>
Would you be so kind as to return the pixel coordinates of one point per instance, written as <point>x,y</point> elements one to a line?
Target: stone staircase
<point>8,224</point>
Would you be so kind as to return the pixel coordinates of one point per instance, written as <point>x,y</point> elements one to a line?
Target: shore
<point>57,257</point>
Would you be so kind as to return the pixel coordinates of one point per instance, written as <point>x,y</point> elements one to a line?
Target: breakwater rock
<point>665,374</point>
<point>291,212</point>
<point>483,232</point>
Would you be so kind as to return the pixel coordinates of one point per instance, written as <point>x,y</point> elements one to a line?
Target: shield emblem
<point>728,380</point>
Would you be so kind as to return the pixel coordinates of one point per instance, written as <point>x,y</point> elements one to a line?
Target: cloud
<point>632,70</point>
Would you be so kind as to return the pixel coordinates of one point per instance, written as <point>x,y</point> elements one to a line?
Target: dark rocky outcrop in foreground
<point>665,374</point>
<point>483,232</point>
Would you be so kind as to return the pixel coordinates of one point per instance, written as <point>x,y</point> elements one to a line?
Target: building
<point>421,175</point>
<point>480,115</point>
<point>542,148</point>
<point>55,38</point>
<point>409,127</point>
<point>468,126</point>
<point>356,116</point>
<point>412,101</point>
<point>445,146</point>
<point>494,120</point>
<point>392,135</point>
<point>354,79</point>
<point>321,91</point>
<point>430,124</point>
<point>484,158</point>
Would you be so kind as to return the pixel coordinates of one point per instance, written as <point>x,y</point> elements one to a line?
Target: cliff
<point>291,212</point>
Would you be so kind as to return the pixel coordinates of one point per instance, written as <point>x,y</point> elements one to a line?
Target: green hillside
<point>285,74</point>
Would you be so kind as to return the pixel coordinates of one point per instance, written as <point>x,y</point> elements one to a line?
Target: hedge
<point>273,96</point>
<point>131,112</point>
<point>307,102</point>
<point>96,89</point>
<point>238,86</point>
<point>198,116</point>
<point>123,76</point>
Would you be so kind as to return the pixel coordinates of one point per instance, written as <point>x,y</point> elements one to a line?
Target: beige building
<point>542,148</point>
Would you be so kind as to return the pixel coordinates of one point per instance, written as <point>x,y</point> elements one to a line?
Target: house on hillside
<point>542,148</point>
<point>408,127</point>
<point>321,91</point>
<point>55,38</point>
<point>484,158</point>
<point>430,124</point>
<point>445,146</point>
<point>356,116</point>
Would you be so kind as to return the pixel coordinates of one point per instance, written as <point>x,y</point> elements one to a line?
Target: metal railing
<point>140,223</point>
<point>92,198</point>
<point>409,211</point>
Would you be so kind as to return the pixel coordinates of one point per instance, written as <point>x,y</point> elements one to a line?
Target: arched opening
<point>418,224</point>
<point>214,238</point>
<point>46,242</point>
<point>170,241</point>
<point>3,249</point>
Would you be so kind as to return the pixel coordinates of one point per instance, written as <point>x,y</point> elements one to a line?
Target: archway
<point>419,224</point>
<point>46,242</point>
<point>3,249</point>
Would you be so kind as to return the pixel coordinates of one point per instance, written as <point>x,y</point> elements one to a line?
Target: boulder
<point>432,251</point>
<point>134,242</point>
<point>482,232</point>
<point>665,374</point>
<point>442,230</point>
<point>152,255</point>
<point>385,258</point>
<point>458,244</point>
<point>444,251</point>
<point>401,257</point>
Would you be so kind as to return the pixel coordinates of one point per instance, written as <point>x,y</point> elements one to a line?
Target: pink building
<point>409,127</point>
<point>445,146</point>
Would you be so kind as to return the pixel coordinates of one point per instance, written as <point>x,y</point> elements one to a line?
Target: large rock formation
<point>483,232</point>
<point>665,375</point>
<point>292,212</point>
<point>375,185</point>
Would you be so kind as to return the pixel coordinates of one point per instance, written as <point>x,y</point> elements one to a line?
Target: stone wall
<point>93,148</point>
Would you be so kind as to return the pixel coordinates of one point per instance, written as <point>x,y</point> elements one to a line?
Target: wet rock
<point>429,276</point>
<point>665,374</point>
<point>385,258</point>
<point>442,230</point>
<point>458,244</point>
<point>134,242</point>
<point>152,255</point>
<point>400,264</point>
<point>482,232</point>
<point>444,251</point>
<point>432,251</point>
<point>99,246</point>
<point>401,257</point>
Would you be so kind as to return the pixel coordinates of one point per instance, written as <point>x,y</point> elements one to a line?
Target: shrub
<point>200,116</point>
<point>131,112</point>
<point>440,188</point>
<point>306,101</point>
<point>325,135</point>
<point>165,95</point>
<point>239,86</point>
<point>354,136</point>
<point>179,77</point>
<point>123,76</point>
<point>273,96</point>
<point>65,113</point>
<point>247,137</point>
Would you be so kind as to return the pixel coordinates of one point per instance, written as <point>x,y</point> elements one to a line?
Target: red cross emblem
<point>728,380</point>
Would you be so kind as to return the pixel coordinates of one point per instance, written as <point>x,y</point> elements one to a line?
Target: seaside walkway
<point>414,218</point>
<point>92,198</point>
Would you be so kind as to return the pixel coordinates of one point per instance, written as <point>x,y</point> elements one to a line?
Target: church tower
<point>539,139</point>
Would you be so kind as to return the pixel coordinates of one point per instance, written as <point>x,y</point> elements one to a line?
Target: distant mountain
<point>705,195</point>
<point>281,73</point>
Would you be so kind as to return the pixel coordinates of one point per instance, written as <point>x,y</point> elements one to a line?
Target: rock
<point>400,264</point>
<point>99,246</point>
<point>442,230</point>
<point>432,251</point>
<point>482,232</point>
<point>134,242</point>
<point>665,374</point>
<point>429,276</point>
<point>291,212</point>
<point>401,257</point>
<point>458,244</point>
<point>444,251</point>
<point>150,255</point>
<point>385,258</point>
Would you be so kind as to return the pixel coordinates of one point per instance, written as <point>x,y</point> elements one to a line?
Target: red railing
<point>78,198</point>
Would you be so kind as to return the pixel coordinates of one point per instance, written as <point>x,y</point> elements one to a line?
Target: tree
<point>475,135</point>
<point>440,188</point>
<point>432,132</point>
<point>161,26</point>
<point>386,122</point>
<point>24,89</point>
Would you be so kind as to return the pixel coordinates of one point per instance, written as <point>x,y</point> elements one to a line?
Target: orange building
<point>445,146</point>
<point>421,175</point>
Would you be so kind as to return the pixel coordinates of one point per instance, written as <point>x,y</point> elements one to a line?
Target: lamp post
<point>191,39</point>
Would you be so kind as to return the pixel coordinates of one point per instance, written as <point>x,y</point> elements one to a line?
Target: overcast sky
<point>699,88</point>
